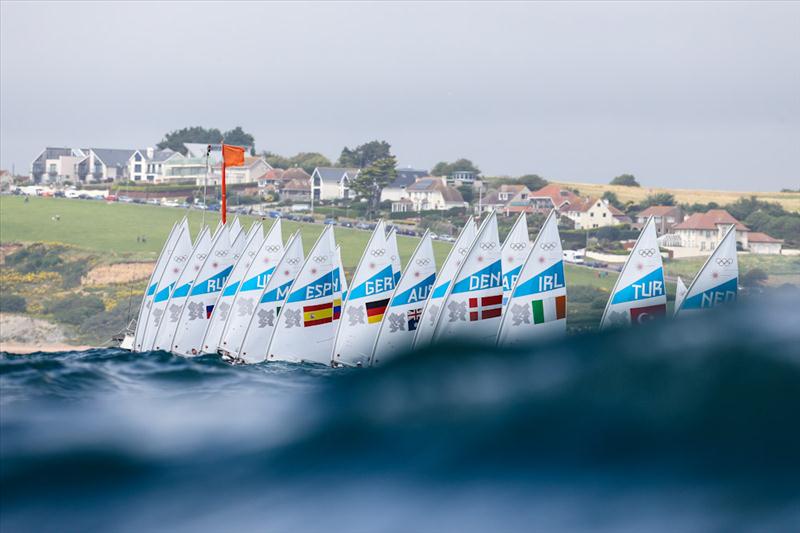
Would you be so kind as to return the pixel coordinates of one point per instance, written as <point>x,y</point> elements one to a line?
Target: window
<point>604,215</point>
<point>137,167</point>
<point>137,157</point>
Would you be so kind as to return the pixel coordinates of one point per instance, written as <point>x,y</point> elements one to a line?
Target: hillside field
<point>789,200</point>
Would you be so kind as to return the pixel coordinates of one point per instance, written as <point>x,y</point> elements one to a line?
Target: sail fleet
<point>251,297</point>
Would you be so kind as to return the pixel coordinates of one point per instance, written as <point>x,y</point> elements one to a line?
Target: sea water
<point>687,425</point>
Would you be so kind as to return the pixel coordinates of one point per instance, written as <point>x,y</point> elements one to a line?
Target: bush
<point>753,277</point>
<point>36,258</point>
<point>628,180</point>
<point>75,308</point>
<point>12,303</point>
<point>73,272</point>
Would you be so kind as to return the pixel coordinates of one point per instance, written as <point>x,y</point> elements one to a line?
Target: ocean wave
<point>687,425</point>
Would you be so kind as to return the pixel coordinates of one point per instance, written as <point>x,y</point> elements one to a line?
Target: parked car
<point>59,194</point>
<point>346,224</point>
<point>274,214</point>
<point>330,221</point>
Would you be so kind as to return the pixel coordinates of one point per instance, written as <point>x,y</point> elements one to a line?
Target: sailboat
<point>152,284</point>
<point>224,304</point>
<point>340,288</point>
<point>169,300</point>
<point>513,253</point>
<point>366,303</point>
<point>199,306</point>
<point>717,282</point>
<point>473,304</point>
<point>680,294</point>
<point>394,254</point>
<point>396,334</point>
<point>251,344</point>
<point>639,294</point>
<point>259,269</point>
<point>432,308</point>
<point>305,326</point>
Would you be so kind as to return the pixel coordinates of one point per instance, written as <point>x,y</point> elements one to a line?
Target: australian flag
<point>413,318</point>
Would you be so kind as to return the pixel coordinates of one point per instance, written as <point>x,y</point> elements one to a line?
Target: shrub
<point>35,258</point>
<point>12,303</point>
<point>753,277</point>
<point>75,308</point>
<point>586,294</point>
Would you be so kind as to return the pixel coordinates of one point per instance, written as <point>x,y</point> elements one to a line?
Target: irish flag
<point>549,309</point>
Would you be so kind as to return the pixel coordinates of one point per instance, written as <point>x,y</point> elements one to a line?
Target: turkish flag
<point>232,156</point>
<point>640,315</point>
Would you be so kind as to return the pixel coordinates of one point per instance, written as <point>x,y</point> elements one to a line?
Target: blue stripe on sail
<point>417,293</point>
<point>319,288</point>
<point>212,284</point>
<point>182,291</point>
<point>163,294</point>
<point>648,286</point>
<point>381,282</point>
<point>151,289</point>
<point>723,293</point>
<point>257,282</point>
<point>485,278</point>
<point>440,291</point>
<point>230,289</point>
<point>546,280</point>
<point>336,279</point>
<point>277,294</point>
<point>396,277</point>
<point>510,277</point>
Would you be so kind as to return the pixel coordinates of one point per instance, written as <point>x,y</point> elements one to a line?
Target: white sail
<point>639,294</point>
<point>199,306</point>
<point>680,294</point>
<point>717,282</point>
<point>305,325</point>
<point>340,289</point>
<point>396,334</point>
<point>181,252</point>
<point>169,301</point>
<point>251,345</point>
<point>260,267</point>
<point>235,229</point>
<point>394,254</point>
<point>473,305</point>
<point>514,252</point>
<point>366,303</point>
<point>537,307</point>
<point>222,307</point>
<point>432,308</point>
<point>152,284</point>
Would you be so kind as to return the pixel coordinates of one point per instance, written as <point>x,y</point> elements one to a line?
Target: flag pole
<point>224,207</point>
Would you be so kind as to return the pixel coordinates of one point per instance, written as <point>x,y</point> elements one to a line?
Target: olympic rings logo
<point>320,258</point>
<point>548,246</point>
<point>272,248</point>
<point>647,252</point>
<point>293,260</point>
<point>180,259</point>
<point>724,261</point>
<point>518,246</point>
<point>221,253</point>
<point>423,262</point>
<point>488,245</point>
<point>378,252</point>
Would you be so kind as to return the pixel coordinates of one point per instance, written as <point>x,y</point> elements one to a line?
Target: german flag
<point>314,315</point>
<point>337,308</point>
<point>375,310</point>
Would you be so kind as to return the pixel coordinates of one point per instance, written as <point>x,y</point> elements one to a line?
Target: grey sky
<point>683,95</point>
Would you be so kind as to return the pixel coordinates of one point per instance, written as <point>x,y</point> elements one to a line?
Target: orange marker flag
<point>232,156</point>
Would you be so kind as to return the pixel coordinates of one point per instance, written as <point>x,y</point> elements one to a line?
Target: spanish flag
<point>314,315</point>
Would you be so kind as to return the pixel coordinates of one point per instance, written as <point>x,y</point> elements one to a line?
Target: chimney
<point>150,152</point>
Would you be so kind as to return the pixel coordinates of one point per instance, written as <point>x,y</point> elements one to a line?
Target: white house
<point>332,183</point>
<point>147,164</point>
<point>56,164</point>
<point>182,169</point>
<point>761,243</point>
<point>594,213</point>
<point>104,164</point>
<point>703,231</point>
<point>396,190</point>
<point>253,169</point>
<point>429,194</point>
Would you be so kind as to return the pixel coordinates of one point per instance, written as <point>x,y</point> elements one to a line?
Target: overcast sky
<point>681,95</point>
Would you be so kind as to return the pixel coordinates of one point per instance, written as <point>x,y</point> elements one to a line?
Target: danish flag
<point>490,307</point>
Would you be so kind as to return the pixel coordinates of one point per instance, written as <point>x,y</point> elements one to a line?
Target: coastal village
<point>170,177</point>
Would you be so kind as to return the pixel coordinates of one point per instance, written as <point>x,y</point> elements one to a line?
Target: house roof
<point>449,194</point>
<point>297,185</point>
<point>407,176</point>
<point>515,188</point>
<point>335,174</point>
<point>492,198</point>
<point>757,236</point>
<point>295,173</point>
<point>273,174</point>
<point>710,220</point>
<point>113,157</point>
<point>557,194</point>
<point>659,211</point>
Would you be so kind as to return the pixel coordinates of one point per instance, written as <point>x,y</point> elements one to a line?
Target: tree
<point>533,182</point>
<point>753,277</point>
<point>613,199</point>
<point>364,155</point>
<point>372,179</point>
<point>239,137</point>
<point>627,180</point>
<point>195,134</point>
<point>661,198</point>
<point>308,161</point>
<point>443,168</point>
<point>276,160</point>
